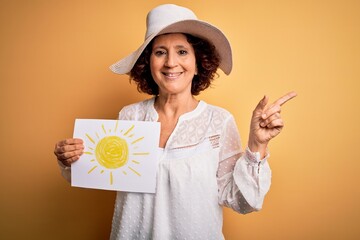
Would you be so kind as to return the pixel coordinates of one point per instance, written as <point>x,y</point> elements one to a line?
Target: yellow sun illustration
<point>114,149</point>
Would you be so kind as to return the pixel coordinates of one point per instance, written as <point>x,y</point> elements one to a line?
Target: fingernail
<point>263,115</point>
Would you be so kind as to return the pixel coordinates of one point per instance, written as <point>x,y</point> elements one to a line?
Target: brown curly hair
<point>207,61</point>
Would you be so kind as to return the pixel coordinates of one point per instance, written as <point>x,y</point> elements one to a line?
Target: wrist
<point>258,147</point>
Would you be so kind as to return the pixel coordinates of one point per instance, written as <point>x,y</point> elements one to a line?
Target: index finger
<point>285,98</point>
<point>70,141</point>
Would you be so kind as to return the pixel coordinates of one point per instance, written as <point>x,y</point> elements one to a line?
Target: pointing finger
<point>285,98</point>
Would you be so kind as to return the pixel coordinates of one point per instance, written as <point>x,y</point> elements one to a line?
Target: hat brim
<point>196,28</point>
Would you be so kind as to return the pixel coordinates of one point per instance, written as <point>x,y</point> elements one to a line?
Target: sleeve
<point>243,178</point>
<point>130,112</point>
<point>123,115</point>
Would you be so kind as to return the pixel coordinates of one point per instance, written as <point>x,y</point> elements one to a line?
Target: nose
<point>171,60</point>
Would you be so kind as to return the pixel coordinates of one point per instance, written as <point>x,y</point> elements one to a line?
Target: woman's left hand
<point>266,123</point>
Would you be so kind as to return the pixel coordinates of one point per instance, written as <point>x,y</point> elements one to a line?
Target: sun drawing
<point>114,149</point>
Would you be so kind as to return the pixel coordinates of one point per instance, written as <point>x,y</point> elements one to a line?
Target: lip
<point>172,75</point>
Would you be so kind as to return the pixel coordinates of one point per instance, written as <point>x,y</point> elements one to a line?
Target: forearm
<point>65,171</point>
<point>245,187</point>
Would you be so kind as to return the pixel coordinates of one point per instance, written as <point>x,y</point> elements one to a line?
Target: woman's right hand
<point>69,150</point>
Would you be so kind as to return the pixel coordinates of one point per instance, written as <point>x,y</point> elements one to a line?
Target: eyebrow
<point>177,46</point>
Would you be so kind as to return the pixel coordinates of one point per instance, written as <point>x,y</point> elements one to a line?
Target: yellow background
<point>54,58</point>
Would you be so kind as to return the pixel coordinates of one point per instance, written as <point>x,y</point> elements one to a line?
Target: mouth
<point>171,74</point>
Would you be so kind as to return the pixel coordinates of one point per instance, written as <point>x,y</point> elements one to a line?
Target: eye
<point>182,52</point>
<point>159,53</point>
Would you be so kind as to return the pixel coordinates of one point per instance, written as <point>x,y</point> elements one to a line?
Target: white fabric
<point>201,169</point>
<point>170,18</point>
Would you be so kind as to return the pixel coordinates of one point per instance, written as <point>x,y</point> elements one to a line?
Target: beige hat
<point>170,18</point>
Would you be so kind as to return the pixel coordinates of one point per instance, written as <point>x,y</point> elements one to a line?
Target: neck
<point>174,105</point>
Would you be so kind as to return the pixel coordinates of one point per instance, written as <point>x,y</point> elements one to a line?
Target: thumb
<point>262,104</point>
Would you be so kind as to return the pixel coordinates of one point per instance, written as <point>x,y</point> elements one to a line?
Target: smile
<point>172,75</point>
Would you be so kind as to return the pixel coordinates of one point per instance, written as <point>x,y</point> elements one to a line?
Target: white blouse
<point>201,169</point>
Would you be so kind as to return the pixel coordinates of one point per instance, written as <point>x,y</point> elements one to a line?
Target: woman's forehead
<point>171,39</point>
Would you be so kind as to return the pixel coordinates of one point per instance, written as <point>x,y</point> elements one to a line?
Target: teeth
<point>172,74</point>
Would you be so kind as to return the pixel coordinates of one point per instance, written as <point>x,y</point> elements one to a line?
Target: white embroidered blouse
<point>201,169</point>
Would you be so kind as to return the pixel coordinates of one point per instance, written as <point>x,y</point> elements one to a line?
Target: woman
<point>202,166</point>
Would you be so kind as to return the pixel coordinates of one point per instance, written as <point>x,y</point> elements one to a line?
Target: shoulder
<point>134,111</point>
<point>218,112</point>
<point>138,105</point>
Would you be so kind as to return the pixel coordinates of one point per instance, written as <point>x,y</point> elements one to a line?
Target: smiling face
<point>173,64</point>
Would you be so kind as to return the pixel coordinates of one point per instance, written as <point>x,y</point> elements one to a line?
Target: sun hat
<point>170,18</point>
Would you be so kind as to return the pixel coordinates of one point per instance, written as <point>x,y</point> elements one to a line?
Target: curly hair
<point>207,61</point>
